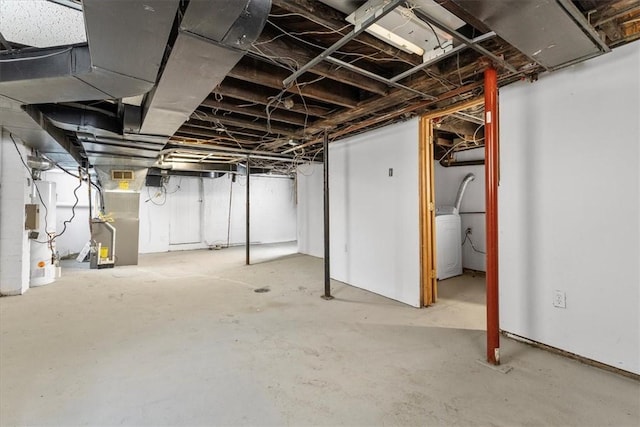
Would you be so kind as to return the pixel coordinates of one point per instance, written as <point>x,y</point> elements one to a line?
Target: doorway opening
<point>453,210</point>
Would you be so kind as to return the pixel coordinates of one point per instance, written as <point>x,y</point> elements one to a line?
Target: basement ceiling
<point>365,83</point>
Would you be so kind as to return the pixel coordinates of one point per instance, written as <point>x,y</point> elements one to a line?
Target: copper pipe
<point>491,197</point>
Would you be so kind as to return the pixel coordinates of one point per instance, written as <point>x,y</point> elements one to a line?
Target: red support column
<point>492,157</point>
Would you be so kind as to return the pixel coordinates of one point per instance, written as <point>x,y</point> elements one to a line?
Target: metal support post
<point>327,252</point>
<point>491,196</point>
<point>248,220</point>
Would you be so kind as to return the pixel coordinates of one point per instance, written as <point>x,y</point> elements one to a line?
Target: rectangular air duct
<point>553,33</point>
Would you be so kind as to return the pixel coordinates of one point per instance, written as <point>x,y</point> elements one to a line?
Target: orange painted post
<point>492,157</point>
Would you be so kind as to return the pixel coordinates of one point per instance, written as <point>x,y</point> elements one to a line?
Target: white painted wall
<point>15,186</point>
<point>77,233</point>
<point>273,212</point>
<point>569,208</point>
<point>310,181</point>
<point>374,217</point>
<point>447,181</point>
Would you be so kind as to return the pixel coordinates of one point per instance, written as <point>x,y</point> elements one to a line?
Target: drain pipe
<point>463,187</point>
<point>491,197</point>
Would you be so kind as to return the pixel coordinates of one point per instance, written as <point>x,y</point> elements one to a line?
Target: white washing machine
<point>448,245</point>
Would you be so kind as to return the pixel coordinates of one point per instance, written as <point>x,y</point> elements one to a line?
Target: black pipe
<point>248,210</point>
<point>327,259</point>
<point>453,163</point>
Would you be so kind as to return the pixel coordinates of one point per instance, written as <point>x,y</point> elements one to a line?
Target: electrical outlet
<point>469,231</point>
<point>559,299</point>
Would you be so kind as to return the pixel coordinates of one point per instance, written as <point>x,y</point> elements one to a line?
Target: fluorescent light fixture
<point>402,29</point>
<point>395,40</point>
<point>381,32</point>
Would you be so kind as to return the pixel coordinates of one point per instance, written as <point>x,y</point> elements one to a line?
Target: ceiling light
<point>402,29</point>
<point>395,40</point>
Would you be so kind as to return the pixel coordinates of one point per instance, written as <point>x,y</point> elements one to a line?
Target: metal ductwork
<point>213,36</point>
<point>463,186</point>
<point>553,33</point>
<point>123,58</point>
<point>126,44</point>
<point>101,69</point>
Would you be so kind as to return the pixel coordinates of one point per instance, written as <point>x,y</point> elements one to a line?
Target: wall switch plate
<point>559,299</point>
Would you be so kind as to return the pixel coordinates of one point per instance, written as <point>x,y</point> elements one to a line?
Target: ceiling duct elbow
<point>213,36</point>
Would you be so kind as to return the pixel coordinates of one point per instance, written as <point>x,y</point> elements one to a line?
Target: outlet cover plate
<point>559,299</point>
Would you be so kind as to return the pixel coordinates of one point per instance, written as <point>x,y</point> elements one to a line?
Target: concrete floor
<point>183,339</point>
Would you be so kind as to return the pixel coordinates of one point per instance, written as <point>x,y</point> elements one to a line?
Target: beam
<point>492,154</point>
<point>255,111</point>
<point>196,119</point>
<point>207,131</point>
<point>291,53</point>
<point>376,77</point>
<point>212,148</point>
<point>203,135</point>
<point>334,20</point>
<point>263,97</point>
<point>241,126</point>
<point>406,110</point>
<point>332,93</point>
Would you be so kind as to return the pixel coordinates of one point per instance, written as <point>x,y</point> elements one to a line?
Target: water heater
<point>43,268</point>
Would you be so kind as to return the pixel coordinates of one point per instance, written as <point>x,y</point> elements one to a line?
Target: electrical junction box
<point>31,217</point>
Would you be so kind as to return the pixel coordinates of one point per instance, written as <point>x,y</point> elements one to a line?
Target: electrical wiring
<point>96,186</point>
<point>162,191</point>
<point>178,188</point>
<point>435,34</point>
<point>467,238</point>
<point>73,210</point>
<point>371,57</point>
<point>274,59</point>
<point>451,149</point>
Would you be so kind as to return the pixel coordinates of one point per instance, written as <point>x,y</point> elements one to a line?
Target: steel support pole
<point>248,211</point>
<point>327,242</point>
<point>491,198</point>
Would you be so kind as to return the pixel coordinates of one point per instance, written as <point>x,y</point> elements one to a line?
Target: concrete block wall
<point>15,185</point>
